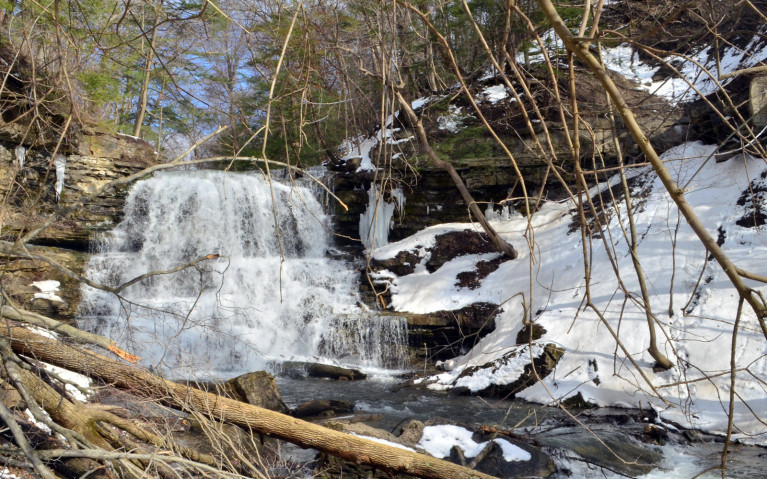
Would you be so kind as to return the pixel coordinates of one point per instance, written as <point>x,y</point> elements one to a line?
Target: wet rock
<point>613,450</point>
<point>473,279</point>
<point>655,434</point>
<point>492,461</point>
<point>576,401</point>
<point>257,388</point>
<point>402,264</point>
<point>323,407</point>
<point>411,432</point>
<point>522,458</point>
<point>317,370</point>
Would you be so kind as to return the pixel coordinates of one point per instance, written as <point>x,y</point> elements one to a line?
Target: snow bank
<point>681,278</point>
<point>700,73</point>
<point>439,440</point>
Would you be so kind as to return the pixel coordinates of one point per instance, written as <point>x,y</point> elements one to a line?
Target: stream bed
<point>576,451</point>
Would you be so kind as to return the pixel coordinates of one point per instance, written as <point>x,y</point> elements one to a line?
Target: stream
<point>573,448</point>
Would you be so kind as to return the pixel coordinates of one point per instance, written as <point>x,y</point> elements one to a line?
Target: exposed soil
<point>458,243</point>
<point>472,279</point>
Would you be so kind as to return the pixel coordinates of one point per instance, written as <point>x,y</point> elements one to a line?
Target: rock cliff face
<point>29,186</point>
<point>35,186</point>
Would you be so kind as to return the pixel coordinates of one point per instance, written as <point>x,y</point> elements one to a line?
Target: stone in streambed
<point>257,388</point>
<point>328,371</point>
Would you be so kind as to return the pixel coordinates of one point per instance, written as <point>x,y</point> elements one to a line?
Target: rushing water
<point>271,294</point>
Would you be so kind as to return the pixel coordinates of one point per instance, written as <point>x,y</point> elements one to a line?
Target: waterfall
<point>272,294</point>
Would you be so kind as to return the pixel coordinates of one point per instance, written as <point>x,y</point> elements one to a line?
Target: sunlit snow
<point>439,440</point>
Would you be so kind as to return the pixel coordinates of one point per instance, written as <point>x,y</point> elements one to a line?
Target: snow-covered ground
<point>548,280</point>
<point>700,73</point>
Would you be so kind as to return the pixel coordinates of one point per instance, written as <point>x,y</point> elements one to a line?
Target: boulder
<point>411,432</point>
<point>21,273</point>
<point>605,447</point>
<point>257,388</point>
<point>493,462</point>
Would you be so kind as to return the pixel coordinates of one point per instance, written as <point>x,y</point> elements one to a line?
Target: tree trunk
<point>143,383</point>
<point>144,94</point>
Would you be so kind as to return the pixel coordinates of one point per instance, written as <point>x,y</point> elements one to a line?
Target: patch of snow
<point>495,93</point>
<point>439,440</point>
<point>385,442</point>
<point>512,453</point>
<point>48,290</point>
<point>43,427</point>
<point>696,339</point>
<point>47,333</point>
<point>83,382</point>
<point>505,213</point>
<point>504,370</point>
<point>401,140</point>
<point>700,73</point>
<point>551,43</point>
<point>5,473</point>
<point>488,74</point>
<point>420,102</point>
<point>453,121</point>
<point>697,71</point>
<point>361,146</point>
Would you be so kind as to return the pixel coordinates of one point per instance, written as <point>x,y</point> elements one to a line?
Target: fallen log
<point>263,421</point>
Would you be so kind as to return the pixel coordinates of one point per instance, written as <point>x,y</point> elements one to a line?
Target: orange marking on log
<point>123,354</point>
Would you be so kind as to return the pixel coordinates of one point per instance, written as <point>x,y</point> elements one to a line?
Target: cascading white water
<point>267,298</point>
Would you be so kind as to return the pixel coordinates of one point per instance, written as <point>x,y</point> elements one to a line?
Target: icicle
<point>399,196</point>
<point>490,213</point>
<point>60,162</point>
<point>21,154</point>
<point>375,222</point>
